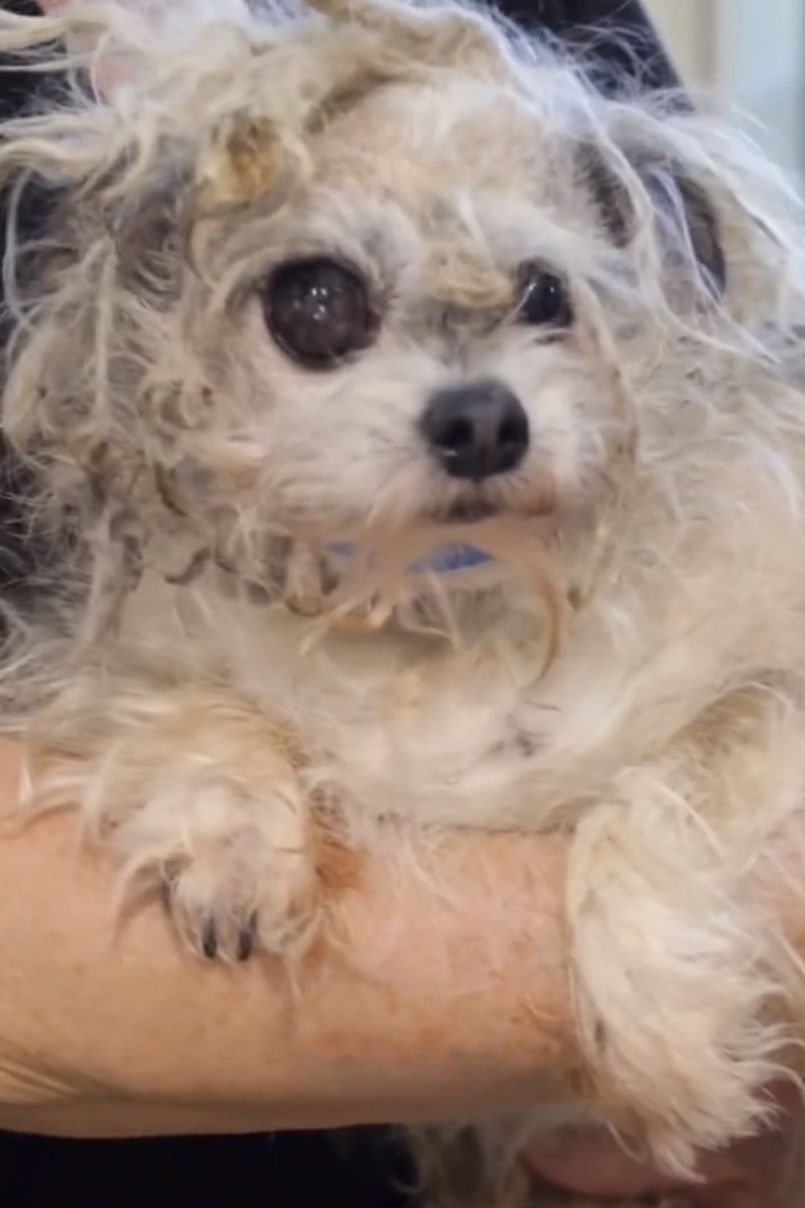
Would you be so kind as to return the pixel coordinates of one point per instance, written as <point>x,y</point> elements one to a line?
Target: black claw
<point>246,939</point>
<point>209,940</point>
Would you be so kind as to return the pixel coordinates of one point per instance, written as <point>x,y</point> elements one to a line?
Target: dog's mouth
<point>497,503</point>
<point>470,511</point>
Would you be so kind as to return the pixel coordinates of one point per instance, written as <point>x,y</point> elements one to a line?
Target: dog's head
<point>387,277</point>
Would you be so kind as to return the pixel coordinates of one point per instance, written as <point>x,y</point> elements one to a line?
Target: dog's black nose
<point>476,430</point>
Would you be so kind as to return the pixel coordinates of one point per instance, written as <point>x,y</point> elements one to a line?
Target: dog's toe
<point>209,939</point>
<point>223,929</point>
<point>247,937</point>
<point>240,878</point>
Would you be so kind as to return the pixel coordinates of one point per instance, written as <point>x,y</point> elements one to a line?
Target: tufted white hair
<point>245,647</point>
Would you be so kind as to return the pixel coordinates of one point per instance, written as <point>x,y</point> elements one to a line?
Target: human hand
<point>767,1171</point>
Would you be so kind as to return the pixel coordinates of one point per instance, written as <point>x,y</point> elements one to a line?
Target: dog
<point>417,439</point>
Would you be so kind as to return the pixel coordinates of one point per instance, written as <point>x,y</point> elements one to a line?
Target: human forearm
<point>418,1007</point>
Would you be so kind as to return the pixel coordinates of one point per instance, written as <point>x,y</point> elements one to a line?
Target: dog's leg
<point>200,795</point>
<point>677,1008</point>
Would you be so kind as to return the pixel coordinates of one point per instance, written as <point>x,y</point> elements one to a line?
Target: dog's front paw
<point>237,871</point>
<point>673,1008</point>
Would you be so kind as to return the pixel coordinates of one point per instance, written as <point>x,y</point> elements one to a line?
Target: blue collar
<point>446,560</point>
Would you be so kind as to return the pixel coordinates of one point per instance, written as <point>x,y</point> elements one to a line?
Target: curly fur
<point>630,665</point>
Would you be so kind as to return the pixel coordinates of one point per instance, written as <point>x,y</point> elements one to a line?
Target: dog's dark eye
<point>543,300</point>
<point>318,311</point>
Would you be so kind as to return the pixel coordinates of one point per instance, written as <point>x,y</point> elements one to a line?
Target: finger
<point>592,1164</point>
<point>765,1169</point>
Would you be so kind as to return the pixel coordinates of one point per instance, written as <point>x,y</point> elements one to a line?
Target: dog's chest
<point>412,727</point>
<point>477,735</point>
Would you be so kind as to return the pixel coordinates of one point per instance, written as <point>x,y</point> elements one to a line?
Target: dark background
<point>358,1169</point>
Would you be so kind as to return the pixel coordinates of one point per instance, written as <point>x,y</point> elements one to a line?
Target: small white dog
<point>424,439</point>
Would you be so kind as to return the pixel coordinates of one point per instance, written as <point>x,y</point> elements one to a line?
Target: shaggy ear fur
<point>686,213</point>
<point>147,234</point>
<point>428,35</point>
<point>685,217</point>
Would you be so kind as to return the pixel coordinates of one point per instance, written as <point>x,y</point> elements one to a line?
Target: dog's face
<point>411,346</point>
<point>410,343</point>
<point>433,328</point>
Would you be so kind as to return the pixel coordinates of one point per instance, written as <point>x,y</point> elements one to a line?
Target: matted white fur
<point>629,666</point>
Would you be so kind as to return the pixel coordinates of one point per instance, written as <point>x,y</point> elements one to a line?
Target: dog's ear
<point>685,216</point>
<point>147,234</point>
<point>152,228</point>
<point>114,40</point>
<point>687,219</point>
<point>430,35</point>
